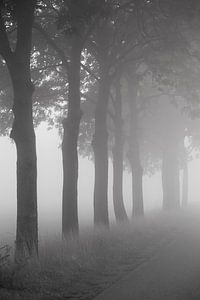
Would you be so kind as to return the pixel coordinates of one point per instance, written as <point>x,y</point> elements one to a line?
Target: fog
<point>50,186</point>
<point>100,149</point>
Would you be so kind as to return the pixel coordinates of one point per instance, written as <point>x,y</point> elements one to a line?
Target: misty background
<point>50,186</point>
<point>99,130</point>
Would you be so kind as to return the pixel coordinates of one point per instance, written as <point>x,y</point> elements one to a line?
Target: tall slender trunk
<point>69,145</point>
<point>137,182</point>
<point>119,209</point>
<point>134,152</point>
<point>170,176</point>
<point>185,184</point>
<point>23,135</point>
<point>100,148</point>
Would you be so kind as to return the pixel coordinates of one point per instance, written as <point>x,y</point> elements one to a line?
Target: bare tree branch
<point>64,58</point>
<point>53,44</point>
<point>5,49</point>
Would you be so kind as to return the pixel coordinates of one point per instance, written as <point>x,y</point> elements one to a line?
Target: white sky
<point>50,185</point>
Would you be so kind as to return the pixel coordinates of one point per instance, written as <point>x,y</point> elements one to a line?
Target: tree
<point>72,122</point>
<point>118,153</point>
<point>134,147</point>
<point>115,40</point>
<point>164,125</point>
<point>18,64</point>
<point>75,21</point>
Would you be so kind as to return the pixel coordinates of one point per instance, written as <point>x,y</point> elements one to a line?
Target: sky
<point>50,186</point>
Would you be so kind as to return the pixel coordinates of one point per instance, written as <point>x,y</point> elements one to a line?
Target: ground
<point>157,257</point>
<point>173,273</point>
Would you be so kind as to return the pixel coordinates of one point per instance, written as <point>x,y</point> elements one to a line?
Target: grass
<point>82,267</point>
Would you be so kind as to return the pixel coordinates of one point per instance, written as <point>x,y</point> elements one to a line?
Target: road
<point>173,273</point>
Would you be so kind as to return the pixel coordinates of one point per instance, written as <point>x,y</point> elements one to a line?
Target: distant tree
<point>164,125</point>
<point>118,153</point>
<point>134,145</point>
<point>115,41</point>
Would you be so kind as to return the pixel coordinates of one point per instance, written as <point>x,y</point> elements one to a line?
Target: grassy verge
<point>82,268</point>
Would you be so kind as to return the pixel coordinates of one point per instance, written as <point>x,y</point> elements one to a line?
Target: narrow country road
<point>172,274</point>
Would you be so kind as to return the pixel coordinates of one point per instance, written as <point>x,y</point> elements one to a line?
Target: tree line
<point>118,78</point>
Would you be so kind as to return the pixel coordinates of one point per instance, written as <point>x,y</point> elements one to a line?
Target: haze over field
<point>50,186</point>
<point>116,81</point>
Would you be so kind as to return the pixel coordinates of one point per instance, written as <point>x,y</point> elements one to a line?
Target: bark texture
<point>18,63</point>
<point>69,144</point>
<point>24,137</point>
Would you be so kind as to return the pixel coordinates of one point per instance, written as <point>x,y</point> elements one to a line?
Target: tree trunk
<point>185,185</point>
<point>18,63</point>
<point>134,152</point>
<point>100,147</point>
<point>69,145</point>
<point>170,177</point>
<point>137,183</point>
<point>119,209</point>
<point>24,137</point>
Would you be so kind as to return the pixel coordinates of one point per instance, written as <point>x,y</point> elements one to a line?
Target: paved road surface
<point>172,274</point>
